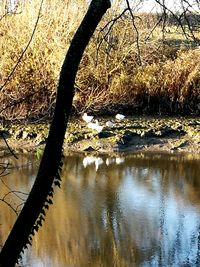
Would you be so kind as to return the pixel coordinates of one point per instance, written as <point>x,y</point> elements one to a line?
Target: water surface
<point>133,210</point>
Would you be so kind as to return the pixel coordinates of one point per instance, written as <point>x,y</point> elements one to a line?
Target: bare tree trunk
<point>38,199</point>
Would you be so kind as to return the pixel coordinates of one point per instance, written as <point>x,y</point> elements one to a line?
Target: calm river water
<point>112,211</point>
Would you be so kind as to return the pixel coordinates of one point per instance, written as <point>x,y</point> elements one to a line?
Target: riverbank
<point>131,134</point>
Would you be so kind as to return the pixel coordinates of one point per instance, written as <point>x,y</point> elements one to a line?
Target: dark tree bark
<point>27,222</point>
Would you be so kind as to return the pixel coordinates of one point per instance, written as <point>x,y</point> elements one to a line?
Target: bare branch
<point>185,10</point>
<point>179,18</point>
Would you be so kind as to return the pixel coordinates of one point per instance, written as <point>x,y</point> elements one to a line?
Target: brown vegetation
<point>157,78</point>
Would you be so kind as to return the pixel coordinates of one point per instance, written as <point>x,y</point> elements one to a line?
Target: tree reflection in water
<point>143,211</point>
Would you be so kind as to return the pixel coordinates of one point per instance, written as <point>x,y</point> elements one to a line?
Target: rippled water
<point>133,210</point>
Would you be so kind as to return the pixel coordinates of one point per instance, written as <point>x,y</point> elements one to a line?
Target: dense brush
<point>114,74</point>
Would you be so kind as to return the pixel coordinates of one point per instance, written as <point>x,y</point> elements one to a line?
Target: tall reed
<point>114,74</point>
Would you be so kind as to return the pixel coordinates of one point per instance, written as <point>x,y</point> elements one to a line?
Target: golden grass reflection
<point>125,214</point>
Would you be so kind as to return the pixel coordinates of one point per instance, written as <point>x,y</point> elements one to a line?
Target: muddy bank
<point>130,134</point>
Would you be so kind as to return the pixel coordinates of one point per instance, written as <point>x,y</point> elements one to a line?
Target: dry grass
<point>167,81</point>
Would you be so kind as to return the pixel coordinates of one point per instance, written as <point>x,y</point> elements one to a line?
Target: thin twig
<point>175,16</point>
<point>137,32</point>
<point>16,192</point>
<point>4,169</point>
<point>9,205</point>
<point>11,12</point>
<point>185,10</point>
<point>9,148</point>
<point>109,25</point>
<point>154,27</point>
<point>24,51</point>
